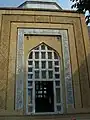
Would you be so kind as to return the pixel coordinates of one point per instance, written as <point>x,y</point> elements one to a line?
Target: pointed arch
<point>41,44</point>
<point>43,80</point>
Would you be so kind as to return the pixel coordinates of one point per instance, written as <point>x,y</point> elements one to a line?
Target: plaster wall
<point>79,49</point>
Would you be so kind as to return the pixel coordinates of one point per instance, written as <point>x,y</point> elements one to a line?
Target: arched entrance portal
<point>43,80</point>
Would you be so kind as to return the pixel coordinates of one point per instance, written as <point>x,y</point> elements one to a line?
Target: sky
<point>65,4</point>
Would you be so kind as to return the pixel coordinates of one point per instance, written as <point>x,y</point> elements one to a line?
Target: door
<point>44,97</point>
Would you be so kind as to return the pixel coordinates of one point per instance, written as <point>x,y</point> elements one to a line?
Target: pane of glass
<point>55,56</point>
<point>44,83</point>
<point>36,64</point>
<point>29,83</point>
<point>56,69</point>
<point>43,74</point>
<point>30,108</point>
<point>36,55</point>
<point>43,64</point>
<point>56,62</point>
<point>57,83</point>
<point>50,74</point>
<point>39,96</point>
<point>29,96</point>
<point>58,99</point>
<point>30,62</point>
<point>39,92</point>
<point>45,92</point>
<point>43,47</point>
<point>49,55</point>
<point>31,55</point>
<point>29,69</point>
<point>30,76</point>
<point>36,74</point>
<point>49,64</point>
<point>43,55</point>
<point>57,76</point>
<point>37,48</point>
<point>59,108</point>
<point>36,86</point>
<point>49,48</point>
<point>41,88</point>
<point>45,88</point>
<point>36,83</point>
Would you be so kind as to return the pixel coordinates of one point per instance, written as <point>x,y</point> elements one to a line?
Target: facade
<point>44,63</point>
<point>89,31</point>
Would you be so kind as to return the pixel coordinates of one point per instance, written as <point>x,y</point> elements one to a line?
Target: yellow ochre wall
<point>79,47</point>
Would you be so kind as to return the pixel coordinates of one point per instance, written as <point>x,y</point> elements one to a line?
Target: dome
<point>41,4</point>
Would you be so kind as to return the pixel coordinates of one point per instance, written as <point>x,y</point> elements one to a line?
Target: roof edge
<point>41,2</point>
<point>37,9</point>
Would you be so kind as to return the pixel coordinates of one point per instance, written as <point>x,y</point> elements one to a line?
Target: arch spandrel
<point>51,41</point>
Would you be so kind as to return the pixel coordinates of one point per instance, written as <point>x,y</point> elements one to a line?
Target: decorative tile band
<point>19,71</point>
<point>20,63</point>
<point>67,69</point>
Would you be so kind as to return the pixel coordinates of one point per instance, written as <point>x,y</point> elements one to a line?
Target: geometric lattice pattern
<point>43,70</point>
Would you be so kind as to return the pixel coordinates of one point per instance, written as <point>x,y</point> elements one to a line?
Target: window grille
<point>43,81</point>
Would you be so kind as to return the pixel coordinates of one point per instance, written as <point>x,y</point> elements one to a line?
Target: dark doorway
<point>44,97</point>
